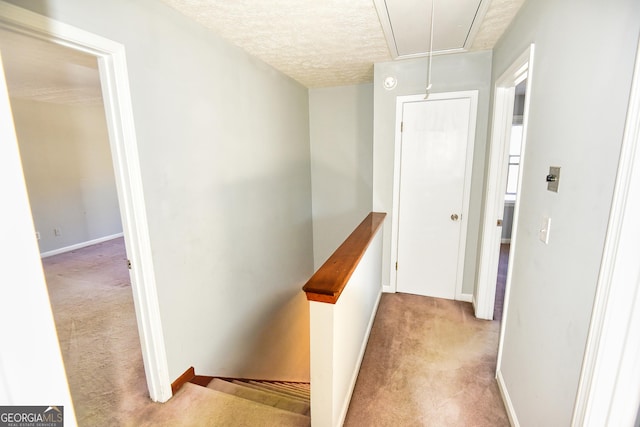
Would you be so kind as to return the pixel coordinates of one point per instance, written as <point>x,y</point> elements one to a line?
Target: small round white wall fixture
<point>390,83</point>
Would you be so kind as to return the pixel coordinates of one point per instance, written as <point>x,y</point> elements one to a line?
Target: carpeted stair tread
<point>289,389</point>
<point>280,389</point>
<point>262,387</point>
<point>264,397</point>
<point>216,408</point>
<point>271,387</point>
<point>301,388</point>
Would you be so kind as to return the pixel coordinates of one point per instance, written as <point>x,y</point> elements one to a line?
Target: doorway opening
<point>62,135</point>
<point>123,146</point>
<point>502,164</point>
<point>510,195</point>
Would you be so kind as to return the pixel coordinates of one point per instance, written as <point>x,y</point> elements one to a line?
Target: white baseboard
<point>511,412</point>
<point>507,241</point>
<point>460,297</point>
<point>465,297</point>
<point>80,245</point>
<point>388,290</point>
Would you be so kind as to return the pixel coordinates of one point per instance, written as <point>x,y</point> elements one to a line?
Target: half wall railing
<point>343,299</point>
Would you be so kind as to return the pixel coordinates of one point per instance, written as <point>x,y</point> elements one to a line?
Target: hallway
<point>429,362</point>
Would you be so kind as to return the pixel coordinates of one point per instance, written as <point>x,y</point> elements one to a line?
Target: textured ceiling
<point>47,72</point>
<point>319,42</point>
<point>495,22</point>
<point>316,42</point>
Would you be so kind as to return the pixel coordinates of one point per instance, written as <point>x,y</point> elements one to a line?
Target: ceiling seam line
<point>475,16</point>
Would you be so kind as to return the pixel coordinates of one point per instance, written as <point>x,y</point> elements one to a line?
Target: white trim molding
<point>522,68</point>
<point>485,291</point>
<point>506,398</point>
<point>465,297</point>
<point>80,245</point>
<point>608,392</point>
<point>122,137</point>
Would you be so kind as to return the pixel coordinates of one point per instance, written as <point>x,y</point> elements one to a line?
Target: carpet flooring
<point>429,362</point>
<point>92,304</point>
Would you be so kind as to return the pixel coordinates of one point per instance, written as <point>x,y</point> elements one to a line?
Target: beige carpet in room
<point>92,305</point>
<point>429,362</point>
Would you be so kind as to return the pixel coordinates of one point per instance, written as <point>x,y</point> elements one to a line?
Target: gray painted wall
<point>224,152</point>
<point>584,57</point>
<point>68,170</point>
<point>341,126</point>
<point>458,72</point>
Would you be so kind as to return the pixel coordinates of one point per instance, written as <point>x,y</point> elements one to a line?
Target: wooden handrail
<point>329,281</point>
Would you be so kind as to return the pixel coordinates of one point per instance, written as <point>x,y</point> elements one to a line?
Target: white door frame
<point>504,96</point>
<point>119,116</point>
<point>608,393</point>
<point>400,100</point>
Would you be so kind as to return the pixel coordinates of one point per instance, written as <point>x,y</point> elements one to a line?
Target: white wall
<point>339,336</point>
<point>584,54</point>
<point>31,368</point>
<point>224,150</point>
<point>341,133</point>
<point>450,73</point>
<point>67,166</point>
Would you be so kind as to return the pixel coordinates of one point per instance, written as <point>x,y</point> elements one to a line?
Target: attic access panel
<point>406,24</point>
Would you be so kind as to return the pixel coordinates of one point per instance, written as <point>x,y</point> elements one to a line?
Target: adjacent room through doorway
<point>63,138</point>
<point>511,194</point>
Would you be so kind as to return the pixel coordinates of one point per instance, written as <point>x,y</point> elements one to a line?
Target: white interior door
<point>30,352</point>
<point>435,165</point>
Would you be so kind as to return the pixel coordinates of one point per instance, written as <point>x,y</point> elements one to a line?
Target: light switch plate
<point>555,172</point>
<point>544,230</point>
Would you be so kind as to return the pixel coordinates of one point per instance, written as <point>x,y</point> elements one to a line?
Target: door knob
<point>454,217</point>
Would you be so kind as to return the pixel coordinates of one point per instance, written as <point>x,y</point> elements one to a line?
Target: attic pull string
<point>427,91</point>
